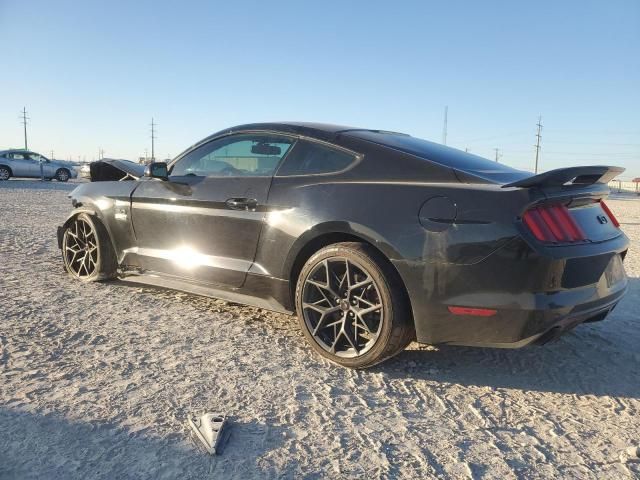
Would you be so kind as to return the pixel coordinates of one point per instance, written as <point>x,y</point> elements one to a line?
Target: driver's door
<point>205,221</point>
<point>40,162</point>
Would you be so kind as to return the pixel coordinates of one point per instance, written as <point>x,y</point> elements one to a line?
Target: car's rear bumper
<point>535,298</point>
<point>514,328</point>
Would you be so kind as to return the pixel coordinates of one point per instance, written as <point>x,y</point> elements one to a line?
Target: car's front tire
<point>87,251</point>
<point>5,173</point>
<point>352,307</point>
<point>62,175</point>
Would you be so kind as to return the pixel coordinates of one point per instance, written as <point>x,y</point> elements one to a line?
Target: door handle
<point>242,203</point>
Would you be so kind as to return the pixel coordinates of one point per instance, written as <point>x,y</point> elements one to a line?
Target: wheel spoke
<point>346,335</point>
<point>87,263</point>
<point>322,288</point>
<point>365,311</point>
<point>363,324</point>
<point>73,235</point>
<point>347,273</point>
<point>320,309</point>
<point>363,283</point>
<point>340,280</point>
<point>337,322</point>
<point>322,323</point>
<point>73,258</point>
<point>364,300</point>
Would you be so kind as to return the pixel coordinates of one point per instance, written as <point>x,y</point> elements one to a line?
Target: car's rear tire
<point>352,307</point>
<point>5,173</point>
<point>62,175</point>
<point>87,251</point>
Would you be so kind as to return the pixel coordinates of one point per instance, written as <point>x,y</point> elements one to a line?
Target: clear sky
<point>92,73</point>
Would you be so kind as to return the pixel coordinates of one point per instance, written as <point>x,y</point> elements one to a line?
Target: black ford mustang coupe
<point>373,238</point>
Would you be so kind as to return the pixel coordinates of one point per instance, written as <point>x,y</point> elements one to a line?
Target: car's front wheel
<point>62,175</point>
<point>351,306</point>
<point>87,251</point>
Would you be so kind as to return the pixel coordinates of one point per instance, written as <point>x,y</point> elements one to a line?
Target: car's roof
<point>21,150</point>
<point>300,127</point>
<point>321,131</point>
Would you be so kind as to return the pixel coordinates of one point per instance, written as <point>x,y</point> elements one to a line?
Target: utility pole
<point>153,138</point>
<point>24,120</point>
<point>498,155</point>
<point>444,128</point>
<point>100,153</point>
<point>52,155</point>
<point>539,137</point>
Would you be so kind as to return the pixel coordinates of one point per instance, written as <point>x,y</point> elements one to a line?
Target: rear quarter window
<point>442,155</point>
<point>310,158</point>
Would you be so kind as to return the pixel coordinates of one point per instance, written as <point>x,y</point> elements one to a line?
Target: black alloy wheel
<point>350,306</point>
<point>86,250</point>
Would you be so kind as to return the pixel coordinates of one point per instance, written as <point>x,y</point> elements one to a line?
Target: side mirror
<point>157,170</point>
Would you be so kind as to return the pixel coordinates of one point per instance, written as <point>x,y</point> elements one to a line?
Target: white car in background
<point>85,170</point>
<point>24,163</point>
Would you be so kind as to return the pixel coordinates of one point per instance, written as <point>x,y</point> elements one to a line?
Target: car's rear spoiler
<point>572,175</point>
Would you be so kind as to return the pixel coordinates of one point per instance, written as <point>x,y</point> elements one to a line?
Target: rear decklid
<point>572,209</point>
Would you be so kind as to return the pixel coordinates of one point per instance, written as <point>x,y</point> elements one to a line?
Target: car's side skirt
<point>258,291</point>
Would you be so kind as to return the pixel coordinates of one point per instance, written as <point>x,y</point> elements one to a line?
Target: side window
<point>255,155</point>
<point>308,158</point>
<point>17,156</point>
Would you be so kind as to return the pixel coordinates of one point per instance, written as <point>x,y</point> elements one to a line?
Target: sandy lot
<point>96,381</point>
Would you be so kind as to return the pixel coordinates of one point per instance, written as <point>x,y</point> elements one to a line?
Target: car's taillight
<point>554,224</point>
<point>610,214</point>
<point>473,311</point>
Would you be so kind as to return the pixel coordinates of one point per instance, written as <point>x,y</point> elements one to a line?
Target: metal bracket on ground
<point>209,430</point>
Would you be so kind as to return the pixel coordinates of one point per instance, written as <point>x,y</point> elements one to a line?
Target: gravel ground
<point>97,381</point>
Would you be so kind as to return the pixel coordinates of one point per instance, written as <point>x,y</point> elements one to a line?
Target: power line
<point>596,143</point>
<point>153,138</point>
<point>24,120</point>
<point>492,137</point>
<point>539,137</point>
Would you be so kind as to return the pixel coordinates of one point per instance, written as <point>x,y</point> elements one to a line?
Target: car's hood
<point>113,169</point>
